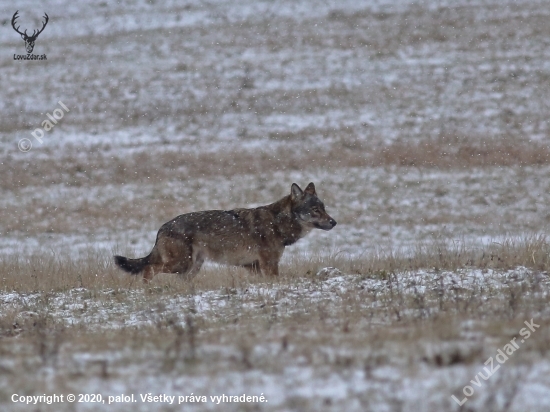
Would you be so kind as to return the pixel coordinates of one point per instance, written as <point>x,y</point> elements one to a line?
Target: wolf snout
<point>329,224</point>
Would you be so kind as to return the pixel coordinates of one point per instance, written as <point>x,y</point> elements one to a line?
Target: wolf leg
<point>195,268</point>
<point>149,273</point>
<point>269,263</point>
<point>175,256</point>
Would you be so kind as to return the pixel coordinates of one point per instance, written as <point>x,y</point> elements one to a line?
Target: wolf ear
<point>295,191</point>
<point>310,189</point>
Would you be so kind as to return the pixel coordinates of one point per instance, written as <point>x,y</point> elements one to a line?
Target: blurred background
<point>416,120</point>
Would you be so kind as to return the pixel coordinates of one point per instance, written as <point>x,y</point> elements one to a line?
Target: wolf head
<point>309,209</point>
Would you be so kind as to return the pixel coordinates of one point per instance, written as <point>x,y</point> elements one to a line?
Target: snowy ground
<point>185,106</point>
<point>332,362</point>
<point>376,208</point>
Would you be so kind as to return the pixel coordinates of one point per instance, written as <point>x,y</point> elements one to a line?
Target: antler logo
<point>29,40</point>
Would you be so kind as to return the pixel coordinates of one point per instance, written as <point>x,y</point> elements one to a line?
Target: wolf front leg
<point>269,262</point>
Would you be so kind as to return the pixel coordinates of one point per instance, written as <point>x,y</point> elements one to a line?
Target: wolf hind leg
<point>150,271</point>
<point>174,255</point>
<point>196,265</point>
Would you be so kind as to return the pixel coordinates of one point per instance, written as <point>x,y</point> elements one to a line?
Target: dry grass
<point>456,152</point>
<point>94,270</point>
<point>359,328</point>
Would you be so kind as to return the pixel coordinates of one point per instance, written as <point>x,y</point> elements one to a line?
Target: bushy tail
<point>133,266</point>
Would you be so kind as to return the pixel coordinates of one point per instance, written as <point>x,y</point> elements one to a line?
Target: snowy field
<point>328,341</point>
<point>176,108</point>
<point>420,122</point>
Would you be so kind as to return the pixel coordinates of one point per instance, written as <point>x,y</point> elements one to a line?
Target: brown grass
<point>95,270</point>
<point>359,329</point>
<point>455,152</point>
<point>98,168</point>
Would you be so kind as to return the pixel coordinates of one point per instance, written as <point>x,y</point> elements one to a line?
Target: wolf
<point>252,238</point>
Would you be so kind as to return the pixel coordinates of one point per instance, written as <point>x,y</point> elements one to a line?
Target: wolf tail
<point>133,266</point>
